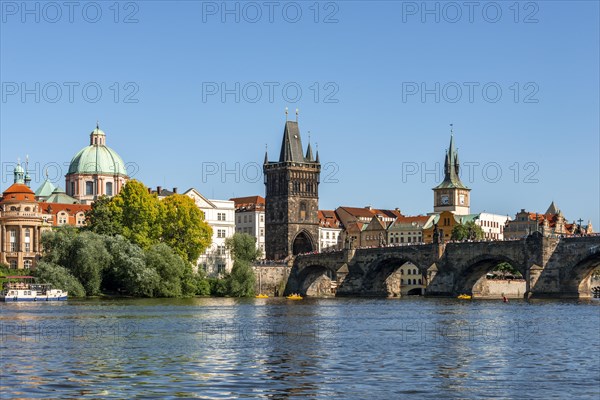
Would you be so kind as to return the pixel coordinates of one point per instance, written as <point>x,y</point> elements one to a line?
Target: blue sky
<point>380,82</point>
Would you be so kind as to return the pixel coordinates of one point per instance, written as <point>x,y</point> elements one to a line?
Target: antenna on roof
<point>46,171</point>
<point>286,114</point>
<point>297,112</point>
<point>26,162</point>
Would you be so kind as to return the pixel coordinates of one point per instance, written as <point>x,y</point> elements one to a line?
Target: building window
<point>27,263</point>
<point>89,188</point>
<point>109,189</point>
<point>262,218</point>
<point>221,250</point>
<point>262,232</point>
<point>221,268</point>
<point>13,240</point>
<point>13,264</point>
<point>220,216</point>
<point>239,219</point>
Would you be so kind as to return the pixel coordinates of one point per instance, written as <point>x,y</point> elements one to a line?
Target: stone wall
<point>496,288</point>
<point>271,279</point>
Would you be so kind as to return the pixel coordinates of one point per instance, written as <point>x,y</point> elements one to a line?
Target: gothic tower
<point>292,198</point>
<point>451,194</point>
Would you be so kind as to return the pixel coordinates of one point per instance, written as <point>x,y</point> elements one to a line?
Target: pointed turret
<point>317,158</point>
<point>451,168</point>
<point>266,157</point>
<point>552,209</point>
<point>291,145</point>
<point>309,153</point>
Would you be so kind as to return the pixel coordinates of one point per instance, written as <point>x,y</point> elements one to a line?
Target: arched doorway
<point>302,243</point>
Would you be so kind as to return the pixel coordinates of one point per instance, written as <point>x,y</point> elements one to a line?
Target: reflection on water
<point>229,348</point>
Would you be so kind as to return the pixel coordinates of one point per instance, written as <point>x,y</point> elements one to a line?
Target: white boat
<point>23,288</point>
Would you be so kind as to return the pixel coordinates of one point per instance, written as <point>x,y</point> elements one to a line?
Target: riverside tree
<point>241,280</point>
<point>146,221</point>
<point>183,227</point>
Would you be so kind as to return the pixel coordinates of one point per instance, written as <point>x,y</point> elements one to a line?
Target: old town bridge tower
<point>292,197</point>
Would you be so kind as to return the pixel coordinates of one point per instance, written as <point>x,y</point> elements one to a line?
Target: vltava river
<point>277,348</point>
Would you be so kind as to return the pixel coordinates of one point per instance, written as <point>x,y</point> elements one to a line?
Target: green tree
<point>127,271</point>
<point>202,283</point>
<point>88,258</point>
<point>243,247</point>
<point>104,217</point>
<point>184,228</point>
<point>57,244</point>
<point>241,281</point>
<point>139,212</point>
<point>467,231</point>
<point>82,254</point>
<point>60,278</point>
<point>170,268</point>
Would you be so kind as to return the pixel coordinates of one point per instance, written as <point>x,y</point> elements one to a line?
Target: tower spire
<point>266,153</point>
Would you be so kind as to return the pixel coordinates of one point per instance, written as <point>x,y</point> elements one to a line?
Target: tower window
<point>89,188</point>
<point>109,189</point>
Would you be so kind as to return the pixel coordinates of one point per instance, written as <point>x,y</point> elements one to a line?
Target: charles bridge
<point>551,267</point>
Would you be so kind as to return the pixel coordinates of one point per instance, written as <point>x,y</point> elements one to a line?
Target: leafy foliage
<point>145,220</point>
<point>114,263</point>
<point>104,217</point>
<point>139,213</point>
<point>60,278</point>
<point>241,281</point>
<point>183,227</point>
<point>467,231</point>
<point>243,247</point>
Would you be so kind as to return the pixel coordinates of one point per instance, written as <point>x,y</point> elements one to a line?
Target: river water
<point>314,348</point>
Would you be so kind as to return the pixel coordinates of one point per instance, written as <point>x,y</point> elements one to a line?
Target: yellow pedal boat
<point>465,297</point>
<point>294,296</point>
<point>262,296</point>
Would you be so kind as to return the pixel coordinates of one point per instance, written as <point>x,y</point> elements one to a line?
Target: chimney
<point>158,189</point>
<point>368,207</point>
<point>175,190</point>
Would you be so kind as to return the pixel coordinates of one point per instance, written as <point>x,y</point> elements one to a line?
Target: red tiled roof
<point>72,209</point>
<point>18,192</point>
<point>249,203</point>
<point>328,219</point>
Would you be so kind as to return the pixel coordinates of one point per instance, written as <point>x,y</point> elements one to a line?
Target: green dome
<point>97,159</point>
<point>19,169</point>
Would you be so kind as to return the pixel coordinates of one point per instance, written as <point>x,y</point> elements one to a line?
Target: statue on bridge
<point>437,238</point>
<point>382,242</point>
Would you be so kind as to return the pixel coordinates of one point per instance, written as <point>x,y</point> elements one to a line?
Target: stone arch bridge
<point>552,267</point>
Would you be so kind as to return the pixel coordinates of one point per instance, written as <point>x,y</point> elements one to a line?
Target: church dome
<point>97,158</point>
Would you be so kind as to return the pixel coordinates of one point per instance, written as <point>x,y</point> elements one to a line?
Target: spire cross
<point>451,129</point>
<point>308,136</point>
<point>286,114</point>
<point>297,112</point>
<point>97,124</point>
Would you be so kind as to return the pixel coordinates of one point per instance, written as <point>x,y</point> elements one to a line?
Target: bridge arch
<point>316,280</point>
<point>577,282</point>
<point>382,278</point>
<point>476,270</point>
